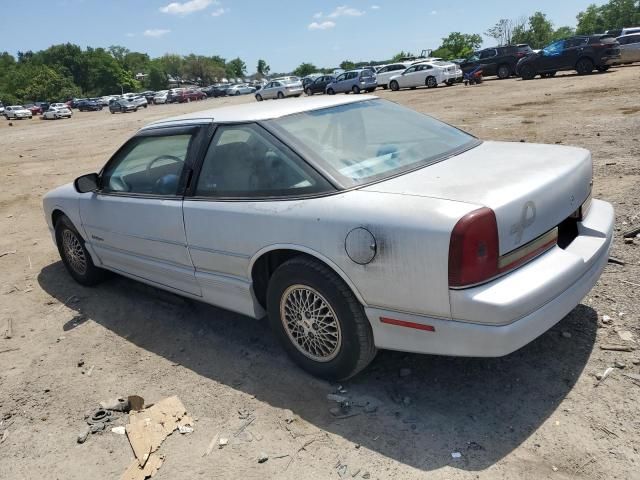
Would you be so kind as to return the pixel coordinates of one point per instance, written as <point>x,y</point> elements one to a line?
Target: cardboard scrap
<point>148,428</point>
<point>136,472</point>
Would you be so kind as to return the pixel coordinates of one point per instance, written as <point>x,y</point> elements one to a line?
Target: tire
<point>344,318</point>
<point>584,66</point>
<point>75,256</point>
<point>280,95</point>
<point>259,97</point>
<point>527,72</point>
<point>355,89</point>
<point>309,92</point>
<point>330,91</point>
<point>238,93</point>
<point>503,71</point>
<point>393,85</point>
<point>431,82</point>
<point>112,112</point>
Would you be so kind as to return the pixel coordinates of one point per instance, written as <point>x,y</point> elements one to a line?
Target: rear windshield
<point>370,140</point>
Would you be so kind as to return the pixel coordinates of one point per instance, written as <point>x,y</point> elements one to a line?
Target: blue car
<point>353,81</point>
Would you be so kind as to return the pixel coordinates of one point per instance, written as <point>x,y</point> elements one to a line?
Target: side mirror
<point>87,183</point>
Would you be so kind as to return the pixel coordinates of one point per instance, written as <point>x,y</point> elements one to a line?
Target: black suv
<point>319,85</point>
<point>88,106</point>
<point>500,61</point>
<point>582,53</point>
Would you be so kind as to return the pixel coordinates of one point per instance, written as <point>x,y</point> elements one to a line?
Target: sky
<point>284,33</point>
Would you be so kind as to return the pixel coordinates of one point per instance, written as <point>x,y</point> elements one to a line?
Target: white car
<point>280,88</point>
<point>61,105</point>
<point>419,75</point>
<point>160,97</point>
<point>55,113</point>
<point>385,72</point>
<point>17,112</point>
<point>1,109</point>
<point>241,89</point>
<point>452,71</point>
<point>355,223</point>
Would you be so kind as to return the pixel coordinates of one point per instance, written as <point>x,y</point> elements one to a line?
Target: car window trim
<point>189,193</point>
<point>195,146</point>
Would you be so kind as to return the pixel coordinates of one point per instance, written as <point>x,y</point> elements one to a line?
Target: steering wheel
<point>162,157</point>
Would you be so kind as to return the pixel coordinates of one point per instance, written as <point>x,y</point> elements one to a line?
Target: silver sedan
<point>355,224</point>
<point>280,88</point>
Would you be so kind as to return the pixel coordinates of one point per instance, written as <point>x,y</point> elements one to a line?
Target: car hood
<point>530,187</point>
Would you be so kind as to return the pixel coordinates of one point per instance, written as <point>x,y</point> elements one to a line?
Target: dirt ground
<point>534,414</point>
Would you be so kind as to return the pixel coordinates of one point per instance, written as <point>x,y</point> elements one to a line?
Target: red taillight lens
<point>473,249</point>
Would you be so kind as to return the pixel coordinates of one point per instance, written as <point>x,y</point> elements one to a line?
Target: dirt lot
<point>534,414</point>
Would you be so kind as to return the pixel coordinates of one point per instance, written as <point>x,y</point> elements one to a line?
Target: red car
<point>189,96</point>
<point>34,109</point>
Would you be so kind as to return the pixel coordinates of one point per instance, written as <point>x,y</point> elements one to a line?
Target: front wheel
<point>330,91</point>
<point>318,320</point>
<point>527,72</point>
<point>431,82</point>
<point>280,95</point>
<point>259,98</point>
<point>503,72</point>
<point>74,254</point>
<point>394,86</point>
<point>309,92</point>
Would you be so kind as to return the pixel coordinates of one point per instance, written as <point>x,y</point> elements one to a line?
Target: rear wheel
<point>504,71</point>
<point>74,254</point>
<point>584,66</point>
<point>431,82</point>
<point>394,86</point>
<point>318,320</point>
<point>331,91</point>
<point>309,92</point>
<point>280,95</point>
<point>355,89</point>
<point>527,72</point>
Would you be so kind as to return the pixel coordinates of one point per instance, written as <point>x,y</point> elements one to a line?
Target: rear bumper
<point>509,312</point>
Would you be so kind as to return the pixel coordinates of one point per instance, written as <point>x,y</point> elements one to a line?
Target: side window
<point>411,70</point>
<point>341,78</point>
<point>384,70</point>
<point>244,161</point>
<point>487,54</point>
<point>633,39</point>
<point>399,67</point>
<point>148,165</point>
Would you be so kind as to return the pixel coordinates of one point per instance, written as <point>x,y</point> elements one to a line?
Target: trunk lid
<point>530,187</point>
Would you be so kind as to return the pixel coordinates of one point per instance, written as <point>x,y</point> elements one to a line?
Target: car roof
<point>258,111</point>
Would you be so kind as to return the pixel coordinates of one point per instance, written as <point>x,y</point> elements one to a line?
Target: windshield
<point>373,139</point>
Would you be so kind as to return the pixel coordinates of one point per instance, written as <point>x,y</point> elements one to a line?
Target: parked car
<point>122,105</point>
<point>353,81</point>
<point>452,71</point>
<point>478,264</point>
<point>629,48</point>
<point>189,95</point>
<point>54,113</point>
<point>17,112</point>
<point>319,85</point>
<point>280,88</point>
<point>241,89</point>
<point>582,53</point>
<point>1,108</point>
<point>385,72</point>
<point>622,31</point>
<point>88,106</point>
<point>44,106</point>
<point>160,97</point>
<point>139,101</point>
<point>498,61</point>
<point>419,75</point>
<point>149,96</point>
<point>309,79</point>
<point>34,109</point>
<point>60,105</point>
<point>215,91</point>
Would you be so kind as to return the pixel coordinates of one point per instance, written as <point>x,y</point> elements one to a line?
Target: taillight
<point>473,249</point>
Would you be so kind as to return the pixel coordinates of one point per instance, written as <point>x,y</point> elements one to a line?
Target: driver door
<point>134,223</point>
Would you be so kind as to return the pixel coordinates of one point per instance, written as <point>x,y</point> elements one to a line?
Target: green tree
<point>538,31</point>
<point>171,64</point>
<point>236,68</point>
<point>39,82</point>
<point>612,15</point>
<point>262,68</point>
<point>136,62</point>
<point>562,32</point>
<point>347,65</point>
<point>400,55</point>
<point>119,53</point>
<point>305,69</point>
<point>458,45</point>
<point>501,31</point>
<point>156,78</point>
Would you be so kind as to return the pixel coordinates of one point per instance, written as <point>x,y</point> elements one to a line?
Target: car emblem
<point>526,220</point>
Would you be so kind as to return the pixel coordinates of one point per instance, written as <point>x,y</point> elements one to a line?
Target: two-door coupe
<point>355,223</point>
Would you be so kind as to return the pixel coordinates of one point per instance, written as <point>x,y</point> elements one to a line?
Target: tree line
<point>66,70</point>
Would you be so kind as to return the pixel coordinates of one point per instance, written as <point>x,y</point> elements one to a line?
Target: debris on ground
<point>119,430</point>
<point>631,233</point>
<point>617,348</point>
<point>625,335</point>
<point>115,404</point>
<point>602,377</point>
<point>263,458</point>
<point>606,319</point>
<point>82,436</point>
<point>183,429</point>
<point>456,455</point>
<point>223,442</point>
<point>98,416</point>
<point>146,431</point>
<point>619,365</point>
<point>8,252</point>
<point>617,261</point>
<point>8,333</point>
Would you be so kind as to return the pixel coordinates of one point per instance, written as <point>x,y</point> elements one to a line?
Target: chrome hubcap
<point>310,323</point>
<point>74,252</point>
